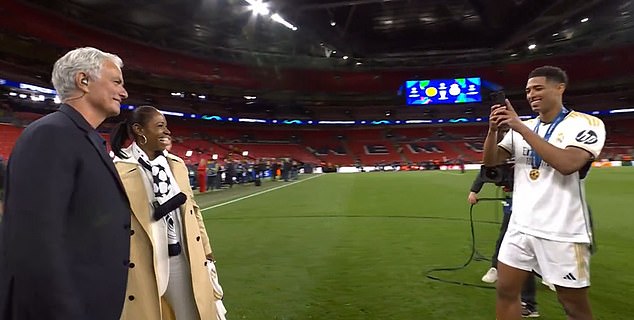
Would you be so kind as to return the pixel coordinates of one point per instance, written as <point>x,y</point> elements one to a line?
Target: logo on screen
<point>443,91</point>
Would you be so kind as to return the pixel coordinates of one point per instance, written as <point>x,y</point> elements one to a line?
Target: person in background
<point>460,162</point>
<point>286,169</point>
<point>202,175</point>
<point>230,172</point>
<point>295,170</point>
<point>170,248</point>
<point>65,233</point>
<point>274,169</point>
<point>212,172</point>
<point>192,175</point>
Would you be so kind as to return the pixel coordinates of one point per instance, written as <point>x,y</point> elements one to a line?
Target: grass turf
<point>357,246</point>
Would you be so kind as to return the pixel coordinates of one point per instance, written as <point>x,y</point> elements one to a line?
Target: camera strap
<point>537,159</point>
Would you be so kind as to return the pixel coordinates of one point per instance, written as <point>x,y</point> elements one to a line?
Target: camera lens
<point>491,173</point>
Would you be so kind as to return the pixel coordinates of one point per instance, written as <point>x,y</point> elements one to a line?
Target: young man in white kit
<point>550,230</point>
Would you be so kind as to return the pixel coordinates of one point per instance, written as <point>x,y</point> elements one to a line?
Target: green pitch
<point>357,246</point>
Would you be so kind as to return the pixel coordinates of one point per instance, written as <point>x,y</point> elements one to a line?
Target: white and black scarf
<point>164,187</point>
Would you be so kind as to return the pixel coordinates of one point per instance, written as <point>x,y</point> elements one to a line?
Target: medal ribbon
<point>537,159</point>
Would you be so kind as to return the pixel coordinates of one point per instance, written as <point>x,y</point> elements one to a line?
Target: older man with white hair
<point>65,234</point>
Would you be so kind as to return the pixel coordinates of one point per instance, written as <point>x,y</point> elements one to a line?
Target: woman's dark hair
<point>123,130</point>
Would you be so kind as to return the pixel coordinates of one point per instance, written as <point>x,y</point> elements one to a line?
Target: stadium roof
<point>224,49</point>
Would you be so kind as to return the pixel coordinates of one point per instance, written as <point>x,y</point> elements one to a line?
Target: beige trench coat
<point>142,293</point>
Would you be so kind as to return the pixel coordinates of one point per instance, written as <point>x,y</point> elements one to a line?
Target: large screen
<point>444,91</point>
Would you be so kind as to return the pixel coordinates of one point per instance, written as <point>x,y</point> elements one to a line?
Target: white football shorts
<point>565,264</point>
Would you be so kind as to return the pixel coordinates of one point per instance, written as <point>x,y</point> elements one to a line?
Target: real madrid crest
<point>560,137</point>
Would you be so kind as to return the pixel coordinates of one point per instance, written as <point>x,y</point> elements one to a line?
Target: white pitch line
<point>258,193</point>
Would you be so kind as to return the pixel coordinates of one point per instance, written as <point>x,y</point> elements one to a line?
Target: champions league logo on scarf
<point>162,187</point>
<point>160,181</point>
<point>164,192</point>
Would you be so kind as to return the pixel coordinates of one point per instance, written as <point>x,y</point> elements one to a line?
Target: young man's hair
<point>551,73</point>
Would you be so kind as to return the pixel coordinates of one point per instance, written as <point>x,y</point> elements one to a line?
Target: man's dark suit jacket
<point>65,234</point>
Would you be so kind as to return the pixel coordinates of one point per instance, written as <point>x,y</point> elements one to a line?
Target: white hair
<point>87,59</point>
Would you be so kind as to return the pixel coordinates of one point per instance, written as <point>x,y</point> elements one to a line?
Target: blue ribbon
<point>537,159</point>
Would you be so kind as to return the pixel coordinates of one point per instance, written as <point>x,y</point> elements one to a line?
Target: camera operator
<point>528,301</point>
<point>550,231</point>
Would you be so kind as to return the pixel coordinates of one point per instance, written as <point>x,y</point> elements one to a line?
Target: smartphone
<point>498,97</point>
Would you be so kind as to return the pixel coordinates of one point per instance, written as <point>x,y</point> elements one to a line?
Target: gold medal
<point>534,174</point>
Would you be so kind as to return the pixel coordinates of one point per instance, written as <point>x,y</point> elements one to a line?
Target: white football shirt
<point>553,206</point>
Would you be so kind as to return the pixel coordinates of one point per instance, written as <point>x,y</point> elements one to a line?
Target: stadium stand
<point>328,146</point>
